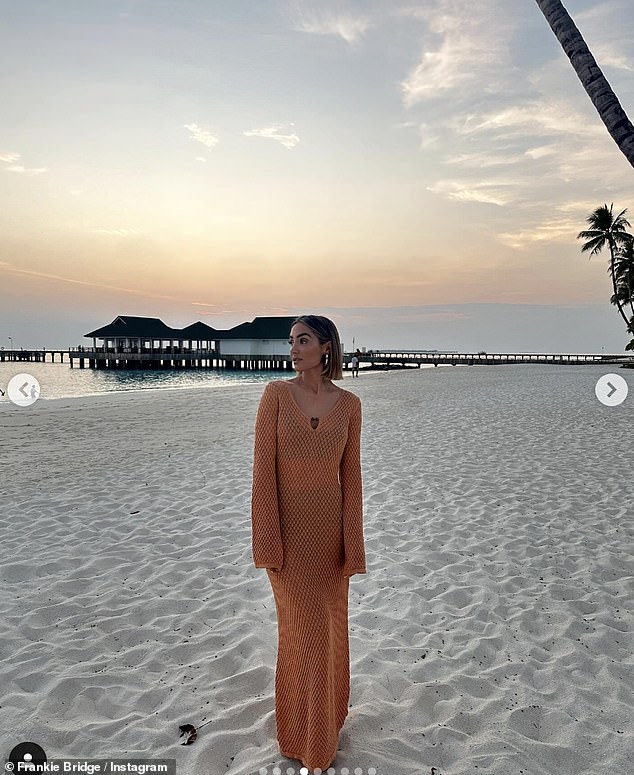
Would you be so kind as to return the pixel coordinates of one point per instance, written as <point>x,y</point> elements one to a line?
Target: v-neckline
<point>309,420</point>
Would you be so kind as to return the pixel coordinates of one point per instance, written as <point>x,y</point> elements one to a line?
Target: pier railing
<point>392,358</point>
<point>33,356</point>
<point>178,357</point>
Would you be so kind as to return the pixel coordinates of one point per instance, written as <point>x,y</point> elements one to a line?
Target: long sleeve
<point>352,491</point>
<point>265,519</point>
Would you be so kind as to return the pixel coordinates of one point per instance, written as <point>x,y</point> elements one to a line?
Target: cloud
<point>494,192</point>
<point>483,159</point>
<point>231,316</point>
<point>12,160</point>
<point>342,23</point>
<point>27,170</point>
<point>482,104</point>
<point>607,37</point>
<point>274,132</point>
<point>429,135</point>
<point>540,152</point>
<point>607,57</point>
<point>553,230</point>
<point>6,267</point>
<point>541,117</point>
<point>499,126</point>
<point>461,47</point>
<point>201,135</point>
<point>580,207</point>
<point>568,220</point>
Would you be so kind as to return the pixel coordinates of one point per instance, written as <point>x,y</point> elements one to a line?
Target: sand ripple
<point>494,629</point>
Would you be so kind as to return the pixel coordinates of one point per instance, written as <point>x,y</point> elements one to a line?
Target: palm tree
<point>608,229</point>
<point>590,75</point>
<point>624,271</point>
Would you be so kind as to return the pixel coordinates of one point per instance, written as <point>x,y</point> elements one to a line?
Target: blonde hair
<point>326,332</point>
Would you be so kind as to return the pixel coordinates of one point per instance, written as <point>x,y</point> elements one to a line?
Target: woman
<point>307,525</point>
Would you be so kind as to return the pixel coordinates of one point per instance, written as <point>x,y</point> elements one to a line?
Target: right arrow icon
<point>611,390</point>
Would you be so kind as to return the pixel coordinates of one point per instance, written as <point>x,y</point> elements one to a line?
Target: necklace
<point>314,398</point>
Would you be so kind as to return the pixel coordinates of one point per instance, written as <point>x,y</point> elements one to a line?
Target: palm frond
<point>608,230</point>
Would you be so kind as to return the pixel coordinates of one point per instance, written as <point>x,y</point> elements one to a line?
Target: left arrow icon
<point>23,389</point>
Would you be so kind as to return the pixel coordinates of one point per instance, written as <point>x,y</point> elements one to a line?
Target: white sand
<point>493,633</point>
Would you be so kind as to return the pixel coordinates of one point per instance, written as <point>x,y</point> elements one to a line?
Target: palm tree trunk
<point>619,306</point>
<point>590,75</point>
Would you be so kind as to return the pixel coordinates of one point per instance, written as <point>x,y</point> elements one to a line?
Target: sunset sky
<point>418,171</point>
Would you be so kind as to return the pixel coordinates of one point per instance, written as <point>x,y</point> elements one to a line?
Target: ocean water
<point>511,383</point>
<point>58,380</point>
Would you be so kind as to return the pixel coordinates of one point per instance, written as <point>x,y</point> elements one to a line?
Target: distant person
<point>307,523</point>
<point>354,363</point>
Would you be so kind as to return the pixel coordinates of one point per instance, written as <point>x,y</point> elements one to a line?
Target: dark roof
<point>199,330</point>
<point>261,328</point>
<point>131,326</point>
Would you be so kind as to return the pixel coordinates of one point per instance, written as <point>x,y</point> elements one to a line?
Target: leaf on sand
<point>191,732</point>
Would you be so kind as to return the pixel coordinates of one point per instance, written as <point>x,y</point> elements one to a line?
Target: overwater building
<point>140,342</point>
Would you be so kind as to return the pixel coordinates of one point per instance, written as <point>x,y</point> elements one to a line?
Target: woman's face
<point>306,352</point>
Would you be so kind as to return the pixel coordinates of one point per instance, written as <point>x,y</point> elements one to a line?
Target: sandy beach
<point>493,632</point>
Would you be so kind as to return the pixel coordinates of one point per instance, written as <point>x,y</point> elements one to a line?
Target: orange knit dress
<point>307,530</point>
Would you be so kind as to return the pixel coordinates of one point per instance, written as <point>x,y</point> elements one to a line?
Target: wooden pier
<point>175,358</point>
<point>404,358</point>
<point>182,358</point>
<point>33,356</point>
